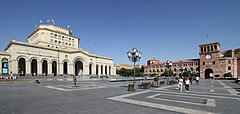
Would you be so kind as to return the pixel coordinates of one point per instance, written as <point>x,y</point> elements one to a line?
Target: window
<point>161,70</point>
<point>55,35</point>
<point>175,69</point>
<point>59,37</point>
<point>229,68</point>
<point>59,42</point>
<point>229,61</point>
<point>51,35</point>
<point>203,63</point>
<point>215,47</point>
<point>201,49</point>
<point>213,62</point>
<point>62,37</point>
<point>208,48</point>
<point>52,40</point>
<point>73,40</point>
<point>55,41</point>
<point>157,70</point>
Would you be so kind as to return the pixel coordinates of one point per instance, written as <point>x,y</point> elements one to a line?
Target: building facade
<point>52,50</point>
<point>213,63</point>
<point>157,67</point>
<point>126,66</point>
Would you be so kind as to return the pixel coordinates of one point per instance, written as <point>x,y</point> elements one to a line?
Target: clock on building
<point>208,56</point>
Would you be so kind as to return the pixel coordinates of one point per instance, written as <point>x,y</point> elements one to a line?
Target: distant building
<point>154,66</point>
<point>212,63</point>
<point>52,50</point>
<point>126,66</point>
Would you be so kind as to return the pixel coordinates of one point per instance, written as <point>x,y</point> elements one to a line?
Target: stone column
<point>39,68</point>
<point>93,69</point>
<point>60,70</point>
<point>99,70</point>
<point>28,67</point>
<point>70,69</point>
<point>107,70</point>
<point>14,67</point>
<point>86,69</point>
<point>49,68</point>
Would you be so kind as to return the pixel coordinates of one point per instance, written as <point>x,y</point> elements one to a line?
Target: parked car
<point>237,79</point>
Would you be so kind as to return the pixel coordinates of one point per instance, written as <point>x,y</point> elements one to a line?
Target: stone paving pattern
<point>29,98</point>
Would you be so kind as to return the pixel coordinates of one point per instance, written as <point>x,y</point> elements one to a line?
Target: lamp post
<point>168,65</point>
<point>134,56</point>
<point>181,70</point>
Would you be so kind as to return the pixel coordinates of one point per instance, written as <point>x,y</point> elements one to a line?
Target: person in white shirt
<point>180,83</point>
<point>187,84</point>
<point>197,80</point>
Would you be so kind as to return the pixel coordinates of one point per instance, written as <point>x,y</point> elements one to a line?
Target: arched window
<point>21,67</point>
<point>45,67</point>
<point>4,66</point>
<point>90,69</point>
<point>65,67</point>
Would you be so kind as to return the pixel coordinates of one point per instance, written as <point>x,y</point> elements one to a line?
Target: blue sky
<point>164,29</point>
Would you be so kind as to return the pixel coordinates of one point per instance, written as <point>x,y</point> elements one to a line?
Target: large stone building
<point>157,67</point>
<point>212,63</point>
<point>215,63</point>
<point>52,50</point>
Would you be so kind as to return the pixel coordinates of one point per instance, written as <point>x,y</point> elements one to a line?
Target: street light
<point>181,70</point>
<point>168,65</point>
<point>134,56</point>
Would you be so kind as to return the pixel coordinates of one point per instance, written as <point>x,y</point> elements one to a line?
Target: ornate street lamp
<point>168,65</point>
<point>181,70</point>
<point>134,56</point>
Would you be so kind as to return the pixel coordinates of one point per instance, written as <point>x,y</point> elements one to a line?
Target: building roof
<point>174,61</point>
<point>68,50</point>
<point>210,43</point>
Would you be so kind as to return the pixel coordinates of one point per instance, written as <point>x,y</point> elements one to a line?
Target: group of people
<point>187,82</point>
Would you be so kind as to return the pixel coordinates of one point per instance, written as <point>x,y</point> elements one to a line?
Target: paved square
<point>59,97</point>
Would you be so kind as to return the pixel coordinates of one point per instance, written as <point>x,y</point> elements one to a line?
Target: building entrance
<point>78,68</point>
<point>207,73</point>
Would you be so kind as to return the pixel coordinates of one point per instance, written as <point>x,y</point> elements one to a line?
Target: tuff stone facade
<point>52,50</point>
<point>212,63</point>
<point>215,63</point>
<point>157,67</point>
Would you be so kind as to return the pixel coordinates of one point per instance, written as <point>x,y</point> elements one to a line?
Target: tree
<point>229,74</point>
<point>129,72</point>
<point>167,73</point>
<point>186,73</point>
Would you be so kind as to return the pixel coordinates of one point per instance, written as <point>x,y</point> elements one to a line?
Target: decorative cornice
<point>56,49</point>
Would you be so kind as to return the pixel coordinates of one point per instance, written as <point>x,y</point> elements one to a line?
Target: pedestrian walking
<point>197,80</point>
<point>180,83</point>
<point>74,81</point>
<point>190,80</point>
<point>187,84</point>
